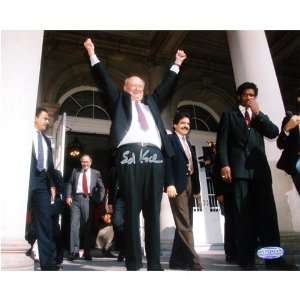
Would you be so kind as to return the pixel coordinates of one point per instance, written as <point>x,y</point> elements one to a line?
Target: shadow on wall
<point>286,199</point>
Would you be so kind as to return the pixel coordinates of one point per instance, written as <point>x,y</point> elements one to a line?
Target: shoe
<point>121,257</point>
<point>231,259</point>
<point>50,268</point>
<point>159,268</point>
<point>87,256</point>
<point>178,266</point>
<point>73,256</point>
<point>282,266</point>
<point>248,267</point>
<point>196,268</point>
<point>134,267</point>
<point>28,252</point>
<point>108,254</point>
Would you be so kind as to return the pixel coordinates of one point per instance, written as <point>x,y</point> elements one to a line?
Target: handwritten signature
<point>129,158</point>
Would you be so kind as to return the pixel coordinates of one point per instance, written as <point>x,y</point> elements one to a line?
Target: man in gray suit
<point>84,185</point>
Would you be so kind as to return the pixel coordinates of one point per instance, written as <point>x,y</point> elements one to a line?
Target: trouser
<point>80,222</point>
<point>141,178</point>
<point>255,217</point>
<point>118,223</point>
<point>41,207</point>
<point>183,252</point>
<point>57,237</point>
<point>230,246</point>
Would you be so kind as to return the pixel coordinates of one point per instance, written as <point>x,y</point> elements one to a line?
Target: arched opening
<point>201,118</point>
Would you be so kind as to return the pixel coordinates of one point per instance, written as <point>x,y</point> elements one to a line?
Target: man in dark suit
<point>182,185</point>
<point>42,190</point>
<point>85,185</point>
<point>289,141</point>
<point>139,135</point>
<point>241,149</point>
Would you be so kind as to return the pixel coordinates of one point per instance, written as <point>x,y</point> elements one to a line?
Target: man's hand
<point>180,57</point>
<point>292,123</point>
<point>69,201</point>
<point>220,199</point>
<point>226,174</point>
<point>253,106</point>
<point>53,193</point>
<point>171,191</point>
<point>89,46</point>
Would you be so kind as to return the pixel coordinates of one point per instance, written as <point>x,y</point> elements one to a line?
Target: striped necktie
<point>188,155</point>
<point>40,154</point>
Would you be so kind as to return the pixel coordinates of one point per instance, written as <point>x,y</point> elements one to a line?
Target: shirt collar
<point>35,130</point>
<point>181,137</point>
<point>243,110</point>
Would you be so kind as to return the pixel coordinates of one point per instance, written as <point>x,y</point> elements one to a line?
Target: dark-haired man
<point>241,149</point>
<point>42,190</point>
<point>182,185</point>
<point>138,134</point>
<point>289,141</point>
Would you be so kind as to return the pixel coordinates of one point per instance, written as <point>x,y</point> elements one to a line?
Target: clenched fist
<point>254,106</point>
<point>292,123</point>
<point>89,46</point>
<point>171,191</point>
<point>226,174</point>
<point>180,57</point>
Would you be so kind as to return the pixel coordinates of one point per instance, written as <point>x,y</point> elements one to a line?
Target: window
<point>86,104</point>
<point>201,119</point>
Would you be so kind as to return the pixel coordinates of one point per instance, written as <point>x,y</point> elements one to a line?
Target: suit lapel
<point>77,173</point>
<point>93,180</point>
<point>33,152</point>
<point>179,145</point>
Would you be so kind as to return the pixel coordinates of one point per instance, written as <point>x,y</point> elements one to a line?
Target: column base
<point>13,257</point>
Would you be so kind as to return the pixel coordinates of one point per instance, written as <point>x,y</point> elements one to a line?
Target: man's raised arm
<point>166,86</point>
<point>100,72</point>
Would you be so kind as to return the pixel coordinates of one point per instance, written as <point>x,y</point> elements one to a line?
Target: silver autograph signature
<point>129,158</point>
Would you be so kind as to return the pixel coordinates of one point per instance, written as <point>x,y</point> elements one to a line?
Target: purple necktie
<point>141,116</point>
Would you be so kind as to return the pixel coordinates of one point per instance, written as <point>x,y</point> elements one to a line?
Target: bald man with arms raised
<point>139,136</point>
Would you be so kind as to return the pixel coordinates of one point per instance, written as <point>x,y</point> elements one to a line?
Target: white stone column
<point>20,60</point>
<point>252,61</point>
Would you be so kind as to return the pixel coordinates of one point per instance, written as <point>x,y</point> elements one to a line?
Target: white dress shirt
<point>79,189</point>
<point>35,145</point>
<point>243,111</point>
<point>136,134</point>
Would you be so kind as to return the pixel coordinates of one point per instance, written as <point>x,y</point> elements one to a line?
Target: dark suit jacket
<point>120,103</point>
<point>177,169</point>
<point>97,189</point>
<point>243,149</point>
<point>290,145</point>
